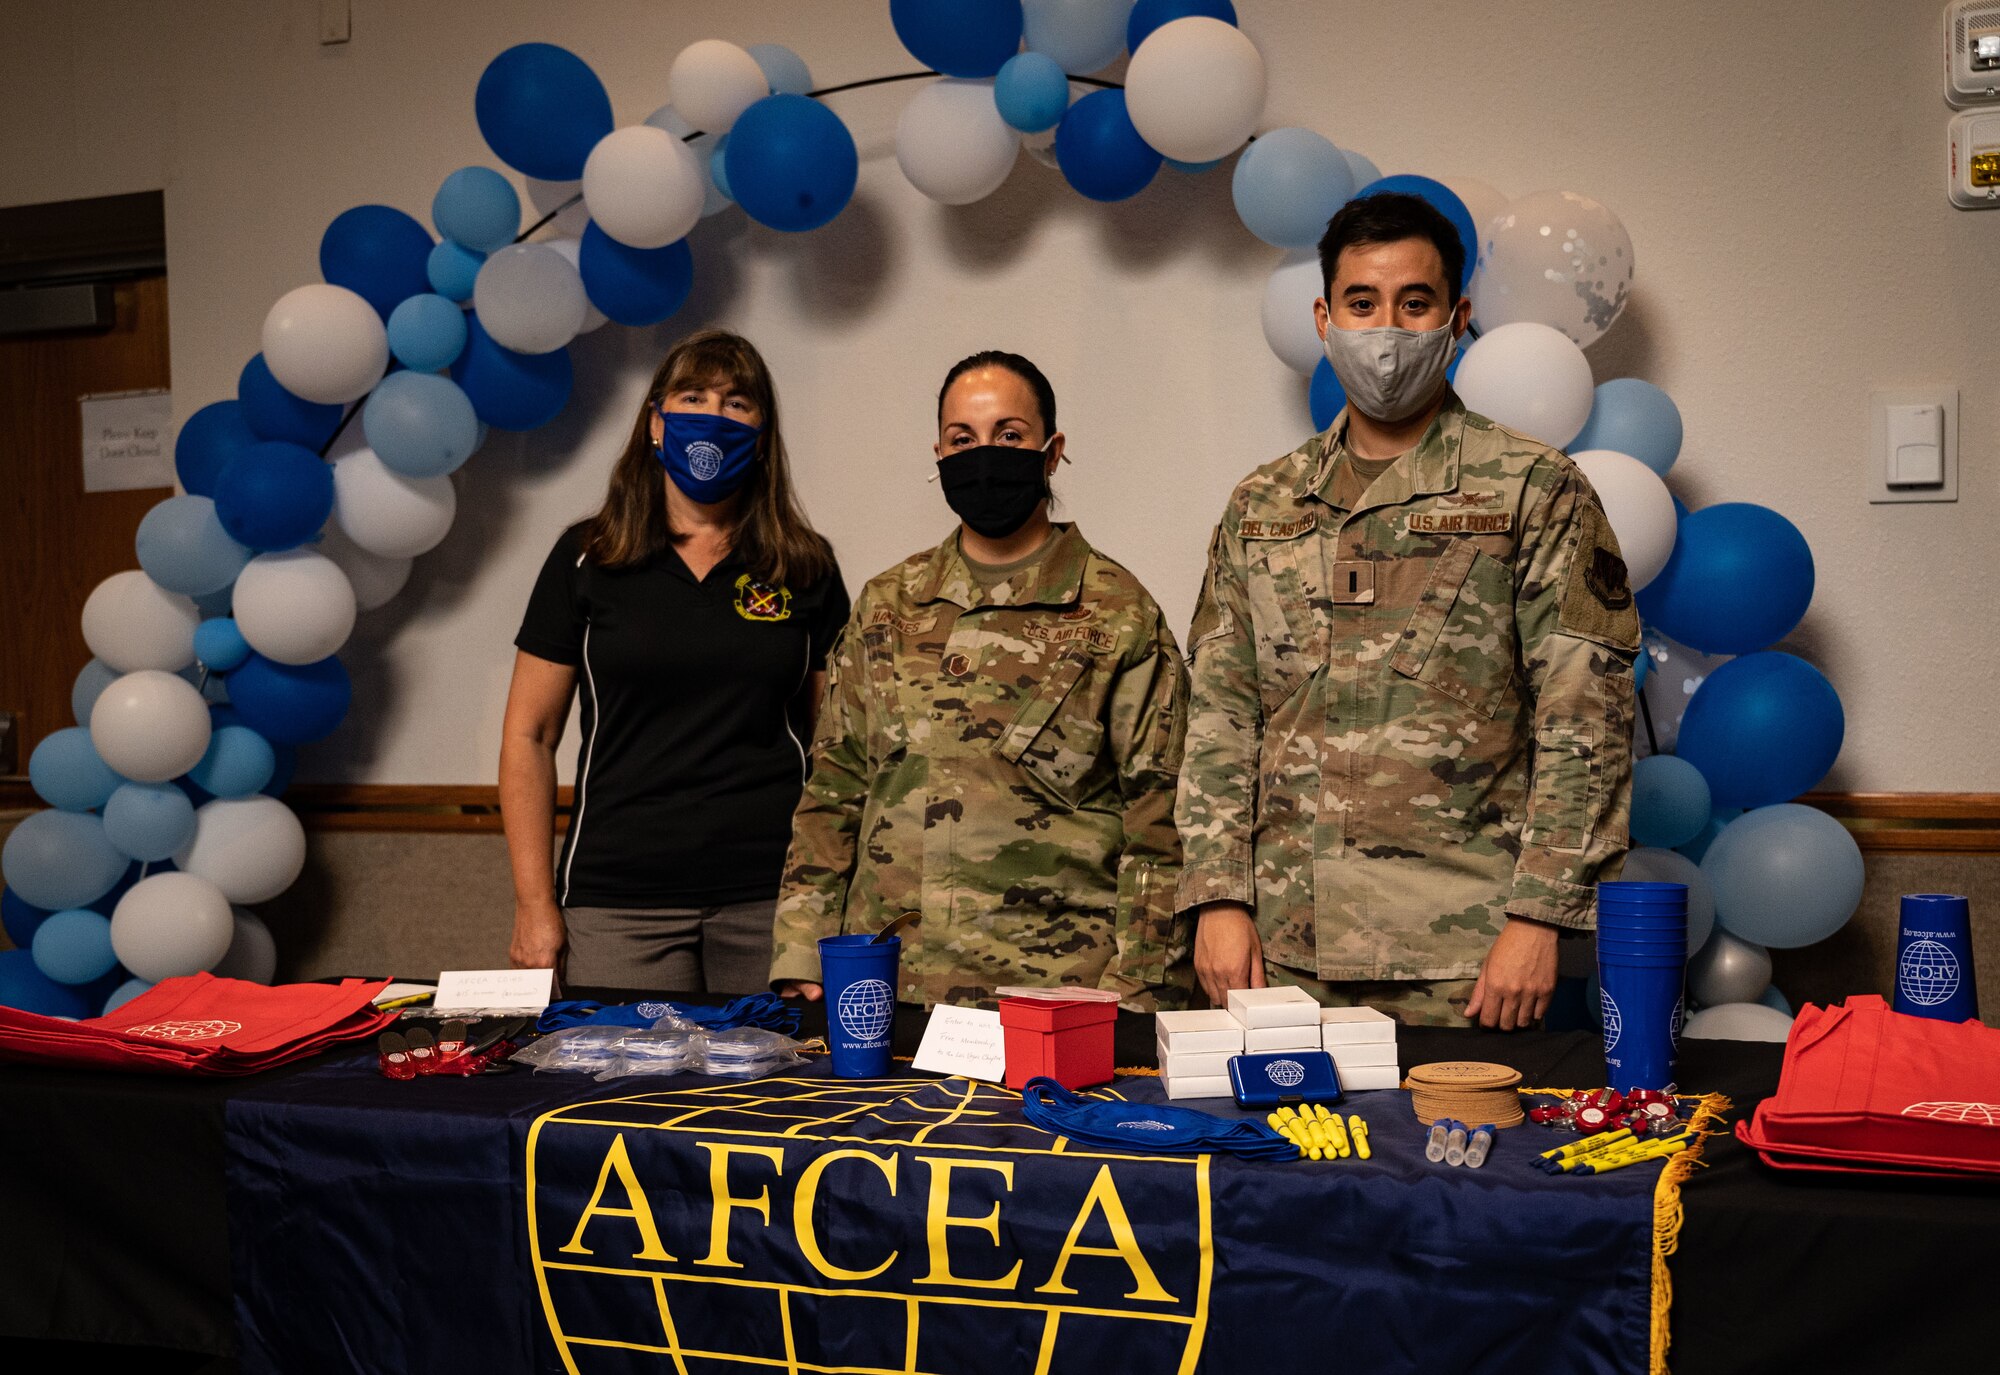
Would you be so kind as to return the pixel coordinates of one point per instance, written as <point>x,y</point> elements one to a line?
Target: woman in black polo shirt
<point>692,614</point>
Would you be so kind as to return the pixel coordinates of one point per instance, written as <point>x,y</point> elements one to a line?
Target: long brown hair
<point>772,533</point>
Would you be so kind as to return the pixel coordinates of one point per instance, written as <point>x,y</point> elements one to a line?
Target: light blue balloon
<point>1195,169</point>
<point>124,994</point>
<point>183,547</point>
<point>1287,185</point>
<point>149,821</point>
<point>453,269</point>
<point>91,680</point>
<point>477,207</point>
<point>74,946</point>
<point>55,859</point>
<point>1363,169</point>
<point>237,763</point>
<point>1670,801</point>
<point>67,772</point>
<point>718,167</point>
<point>1641,667</point>
<point>427,332</point>
<point>420,424</point>
<point>1719,818</point>
<point>219,645</point>
<point>784,69</point>
<point>1081,35</point>
<point>1031,92</point>
<point>1632,416</point>
<point>1784,876</point>
<point>1772,998</point>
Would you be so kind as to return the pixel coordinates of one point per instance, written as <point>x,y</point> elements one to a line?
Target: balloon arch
<point>218,655</point>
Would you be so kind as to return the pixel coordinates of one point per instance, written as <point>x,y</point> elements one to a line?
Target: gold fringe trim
<point>1709,1110</point>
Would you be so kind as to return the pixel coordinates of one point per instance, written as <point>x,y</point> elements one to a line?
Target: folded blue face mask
<point>1148,1128</point>
<point>709,457</point>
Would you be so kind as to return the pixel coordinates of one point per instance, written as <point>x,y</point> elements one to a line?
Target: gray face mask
<point>1389,374</point>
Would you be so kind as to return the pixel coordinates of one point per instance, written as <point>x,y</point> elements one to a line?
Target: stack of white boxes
<point>1195,1047</point>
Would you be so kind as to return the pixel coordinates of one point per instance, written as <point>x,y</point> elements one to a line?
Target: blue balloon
<point>1325,396</point>
<point>67,772</point>
<point>60,859</point>
<point>1641,666</point>
<point>238,762</point>
<point>19,919</point>
<point>281,777</point>
<point>378,253</point>
<point>24,986</point>
<point>509,390</point>
<point>1148,15</point>
<point>1100,151</point>
<point>149,821</point>
<point>791,164</point>
<point>274,413</point>
<point>453,270</point>
<point>541,109</point>
<point>1739,579</point>
<point>718,166</point>
<point>219,645</point>
<point>1772,998</point>
<point>1287,185</point>
<point>479,208</point>
<point>183,547</point>
<point>1447,203</point>
<point>74,946</point>
<point>959,37</point>
<point>1195,169</point>
<point>1364,169</point>
<point>124,993</point>
<point>1031,92</point>
<point>1670,801</point>
<point>1762,728</point>
<point>1632,416</point>
<point>784,69</point>
<point>291,704</point>
<point>274,496</point>
<point>91,680</point>
<point>420,424</point>
<point>634,286</point>
<point>426,332</point>
<point>211,437</point>
<point>1784,876</point>
<point>1718,818</point>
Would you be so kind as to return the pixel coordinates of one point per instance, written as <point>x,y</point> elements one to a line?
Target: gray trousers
<point>725,949</point>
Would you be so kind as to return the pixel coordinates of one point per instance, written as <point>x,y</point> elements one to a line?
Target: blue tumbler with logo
<point>858,974</point>
<point>1934,958</point>
<point>1641,969</point>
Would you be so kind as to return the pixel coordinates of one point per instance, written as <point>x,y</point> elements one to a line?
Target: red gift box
<point>1069,1041</point>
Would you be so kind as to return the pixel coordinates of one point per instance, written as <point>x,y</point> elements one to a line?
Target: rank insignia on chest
<point>1458,522</point>
<point>756,601</point>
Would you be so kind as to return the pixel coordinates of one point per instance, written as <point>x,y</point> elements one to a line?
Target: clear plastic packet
<point>575,1050</point>
<point>655,1051</point>
<point>746,1053</point>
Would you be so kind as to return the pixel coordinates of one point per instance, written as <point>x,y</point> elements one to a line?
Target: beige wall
<point>1778,167</point>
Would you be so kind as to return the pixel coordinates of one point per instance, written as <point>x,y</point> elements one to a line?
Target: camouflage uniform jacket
<point>1002,761</point>
<point>1413,718</point>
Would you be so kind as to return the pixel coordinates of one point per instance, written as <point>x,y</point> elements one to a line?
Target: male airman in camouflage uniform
<point>1002,760</point>
<point>1411,712</point>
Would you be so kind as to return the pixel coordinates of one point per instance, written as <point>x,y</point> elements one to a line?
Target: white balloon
<point>171,925</point>
<point>1288,311</point>
<point>1729,969</point>
<point>572,249</point>
<point>1483,201</point>
<point>703,147</point>
<point>131,622</point>
<point>529,298</point>
<point>555,198</point>
<point>1639,507</point>
<point>325,343</point>
<point>252,848</point>
<point>643,186</point>
<point>1042,148</point>
<point>952,144</point>
<point>294,607</point>
<point>253,953</point>
<point>1556,258</point>
<point>1738,1022</point>
<point>712,82</point>
<point>1649,864</point>
<point>1080,35</point>
<point>1530,378</point>
<point>387,514</point>
<point>1195,88</point>
<point>374,579</point>
<point>150,726</point>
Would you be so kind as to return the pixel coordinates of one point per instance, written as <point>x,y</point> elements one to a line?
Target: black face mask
<point>994,488</point>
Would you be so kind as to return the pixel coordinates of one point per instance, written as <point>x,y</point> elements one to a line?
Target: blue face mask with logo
<point>1148,1128</point>
<point>709,457</point>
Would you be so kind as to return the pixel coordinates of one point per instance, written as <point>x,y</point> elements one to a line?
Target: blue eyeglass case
<point>1285,1076</point>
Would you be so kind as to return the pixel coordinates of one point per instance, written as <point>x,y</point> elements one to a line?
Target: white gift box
<point>1265,1007</point>
<point>1198,1086</point>
<point>1257,1040</point>
<point>1370,1077</point>
<point>1355,1026</point>
<point>1195,1064</point>
<point>1363,1057</point>
<point>1208,1030</point>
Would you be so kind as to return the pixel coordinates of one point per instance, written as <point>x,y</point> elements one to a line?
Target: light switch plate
<point>1875,470</point>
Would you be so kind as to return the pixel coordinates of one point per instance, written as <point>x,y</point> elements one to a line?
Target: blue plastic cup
<point>1934,958</point>
<point>858,974</point>
<point>1642,971</point>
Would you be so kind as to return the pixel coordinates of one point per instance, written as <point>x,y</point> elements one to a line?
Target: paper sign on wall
<point>964,1040</point>
<point>125,440</point>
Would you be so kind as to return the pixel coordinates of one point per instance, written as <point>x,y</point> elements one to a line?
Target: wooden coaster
<point>1472,1091</point>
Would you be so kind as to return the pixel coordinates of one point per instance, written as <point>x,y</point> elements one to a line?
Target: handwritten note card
<point>493,990</point>
<point>964,1040</point>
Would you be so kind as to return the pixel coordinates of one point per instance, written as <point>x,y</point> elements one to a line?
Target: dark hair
<point>772,533</point>
<point>1390,217</point>
<point>1045,395</point>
